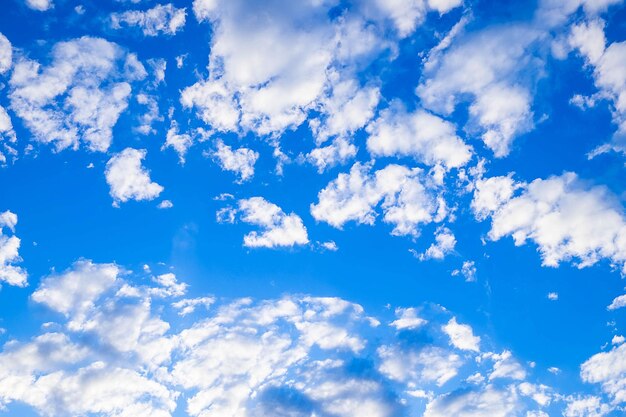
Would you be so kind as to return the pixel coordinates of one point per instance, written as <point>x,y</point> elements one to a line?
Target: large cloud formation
<point>115,348</point>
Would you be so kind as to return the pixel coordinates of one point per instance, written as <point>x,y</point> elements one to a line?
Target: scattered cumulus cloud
<point>407,197</point>
<point>79,96</point>
<point>10,273</point>
<point>40,5</point>
<point>128,179</point>
<point>161,19</point>
<point>239,161</point>
<point>568,219</point>
<point>278,229</point>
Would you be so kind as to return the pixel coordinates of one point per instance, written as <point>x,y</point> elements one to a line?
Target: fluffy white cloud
<point>476,403</point>
<point>162,18</point>
<point>608,369</point>
<point>485,65</point>
<point>491,193</point>
<point>428,365</point>
<point>443,245</point>
<point>407,318</point>
<point>240,161</point>
<point>271,64</point>
<point>6,54</point>
<point>79,96</point>
<point>407,15</point>
<point>40,5</point>
<point>128,179</point>
<point>74,292</point>
<point>278,229</point>
<point>421,135</point>
<point>588,406</point>
<point>468,271</point>
<point>338,152</point>
<point>568,219</point>
<point>609,73</point>
<point>345,111</point>
<point>112,354</point>
<point>180,142</point>
<point>618,302</point>
<point>10,273</point>
<point>462,336</point>
<point>407,197</point>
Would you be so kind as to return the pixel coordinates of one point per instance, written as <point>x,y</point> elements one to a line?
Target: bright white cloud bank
<point>116,349</point>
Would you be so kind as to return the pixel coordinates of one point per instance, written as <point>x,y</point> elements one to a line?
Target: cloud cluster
<point>568,219</point>
<point>239,161</point>
<point>408,198</point>
<point>112,351</point>
<point>272,65</point>
<point>609,73</point>
<point>10,273</point>
<point>162,18</point>
<point>79,96</point>
<point>278,229</point>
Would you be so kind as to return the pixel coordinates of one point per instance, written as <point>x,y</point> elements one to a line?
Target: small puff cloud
<point>128,179</point>
<point>278,229</point>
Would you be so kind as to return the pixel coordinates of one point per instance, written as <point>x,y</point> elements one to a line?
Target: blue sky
<point>318,208</point>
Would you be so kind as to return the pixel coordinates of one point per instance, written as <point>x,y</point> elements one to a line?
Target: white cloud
<point>407,15</point>
<point>128,179</point>
<point>339,151</point>
<point>428,365</point>
<point>462,336</point>
<point>568,219</point>
<point>421,135</point>
<point>407,197</point>
<point>345,111</point>
<point>189,305</point>
<point>180,142</point>
<point>553,296</point>
<point>151,115</point>
<point>111,354</point>
<point>165,204</point>
<point>588,406</point>
<point>6,54</point>
<point>443,245</point>
<point>486,65</point>
<point>272,64</point>
<point>490,194</point>
<point>609,73</point>
<point>475,403</point>
<point>505,366</point>
<point>10,273</point>
<point>162,18</point>
<point>618,340</point>
<point>618,302</point>
<point>240,161</point>
<point>40,5</point>
<point>468,271</point>
<point>79,96</point>
<point>74,292</point>
<point>330,245</point>
<point>278,229</point>
<point>407,318</point>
